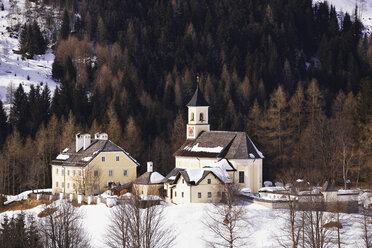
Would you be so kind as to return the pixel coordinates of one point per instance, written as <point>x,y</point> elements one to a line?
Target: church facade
<point>204,147</point>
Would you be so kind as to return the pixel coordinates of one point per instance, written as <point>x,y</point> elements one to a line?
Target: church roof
<point>197,99</point>
<point>220,144</point>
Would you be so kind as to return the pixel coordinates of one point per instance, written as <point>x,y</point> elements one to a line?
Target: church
<point>204,149</point>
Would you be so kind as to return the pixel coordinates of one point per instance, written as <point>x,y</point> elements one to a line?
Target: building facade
<point>91,166</point>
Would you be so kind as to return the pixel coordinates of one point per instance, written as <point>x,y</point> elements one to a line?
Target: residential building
<point>91,166</point>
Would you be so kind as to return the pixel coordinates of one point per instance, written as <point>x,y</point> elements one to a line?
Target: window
<point>57,184</point>
<point>63,184</point>
<point>57,171</point>
<point>219,194</point>
<point>241,176</point>
<point>110,173</point>
<point>63,171</point>
<point>68,185</point>
<point>79,172</point>
<point>209,181</point>
<point>68,172</point>
<point>73,172</point>
<point>103,158</point>
<point>96,173</point>
<point>74,186</point>
<point>199,195</point>
<point>209,194</point>
<point>125,173</point>
<point>192,116</point>
<point>117,158</point>
<point>182,194</point>
<point>201,117</point>
<point>183,181</point>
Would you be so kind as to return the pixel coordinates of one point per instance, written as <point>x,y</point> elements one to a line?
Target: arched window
<point>201,117</point>
<point>192,116</point>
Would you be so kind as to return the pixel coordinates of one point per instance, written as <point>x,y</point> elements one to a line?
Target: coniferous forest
<point>296,76</point>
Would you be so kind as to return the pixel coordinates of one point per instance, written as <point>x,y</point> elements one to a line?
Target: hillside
<point>14,69</point>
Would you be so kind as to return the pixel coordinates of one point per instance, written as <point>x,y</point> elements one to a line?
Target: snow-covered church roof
<point>220,144</point>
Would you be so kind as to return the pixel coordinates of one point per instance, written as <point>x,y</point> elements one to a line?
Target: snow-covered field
<point>12,67</point>
<point>265,225</point>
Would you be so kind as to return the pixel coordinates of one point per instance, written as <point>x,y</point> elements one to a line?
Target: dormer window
<point>192,116</point>
<point>201,117</point>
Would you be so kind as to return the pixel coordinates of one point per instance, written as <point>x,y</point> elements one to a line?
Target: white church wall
<point>252,173</point>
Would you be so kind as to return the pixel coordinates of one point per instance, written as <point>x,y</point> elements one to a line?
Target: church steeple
<point>197,115</point>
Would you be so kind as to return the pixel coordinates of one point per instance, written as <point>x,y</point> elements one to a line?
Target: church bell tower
<point>197,115</point>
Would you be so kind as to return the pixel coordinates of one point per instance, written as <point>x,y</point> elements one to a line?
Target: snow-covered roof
<point>62,157</point>
<point>223,164</point>
<point>196,175</point>
<point>81,158</point>
<point>220,144</point>
<point>86,159</point>
<point>197,148</point>
<point>156,177</point>
<point>149,178</point>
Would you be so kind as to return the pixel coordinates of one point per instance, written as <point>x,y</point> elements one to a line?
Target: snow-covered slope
<point>12,67</point>
<point>266,226</point>
<point>364,6</point>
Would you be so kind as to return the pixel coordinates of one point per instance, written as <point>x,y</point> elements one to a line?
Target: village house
<point>92,166</point>
<point>149,183</point>
<point>199,185</point>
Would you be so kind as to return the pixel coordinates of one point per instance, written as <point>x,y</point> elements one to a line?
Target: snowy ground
<point>12,67</point>
<point>365,9</point>
<point>266,225</point>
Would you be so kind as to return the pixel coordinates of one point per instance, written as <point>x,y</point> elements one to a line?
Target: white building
<point>204,147</point>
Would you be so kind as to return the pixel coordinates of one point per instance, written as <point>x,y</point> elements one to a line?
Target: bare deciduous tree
<point>366,229</point>
<point>63,228</point>
<point>227,221</point>
<point>139,225</point>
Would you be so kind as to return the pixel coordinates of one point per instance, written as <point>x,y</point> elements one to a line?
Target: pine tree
<point>38,42</point>
<point>65,28</point>
<point>3,125</point>
<point>19,113</point>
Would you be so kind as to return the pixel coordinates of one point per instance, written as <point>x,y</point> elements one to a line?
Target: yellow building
<point>91,166</point>
<point>196,185</point>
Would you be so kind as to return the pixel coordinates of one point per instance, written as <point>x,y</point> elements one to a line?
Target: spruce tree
<point>3,124</point>
<point>65,28</point>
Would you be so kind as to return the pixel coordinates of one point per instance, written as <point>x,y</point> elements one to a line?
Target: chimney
<point>79,142</point>
<point>101,136</point>
<point>86,141</point>
<point>150,166</point>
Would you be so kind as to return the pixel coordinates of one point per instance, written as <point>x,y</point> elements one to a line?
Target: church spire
<point>198,115</point>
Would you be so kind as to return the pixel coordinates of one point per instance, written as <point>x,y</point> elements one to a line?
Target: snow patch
<point>197,148</point>
<point>86,159</point>
<point>63,157</point>
<point>251,155</point>
<point>65,150</point>
<point>156,177</point>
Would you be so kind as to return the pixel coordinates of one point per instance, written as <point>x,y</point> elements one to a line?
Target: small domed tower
<point>197,115</point>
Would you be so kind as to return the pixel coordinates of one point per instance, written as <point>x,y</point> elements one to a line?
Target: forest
<point>296,76</point>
